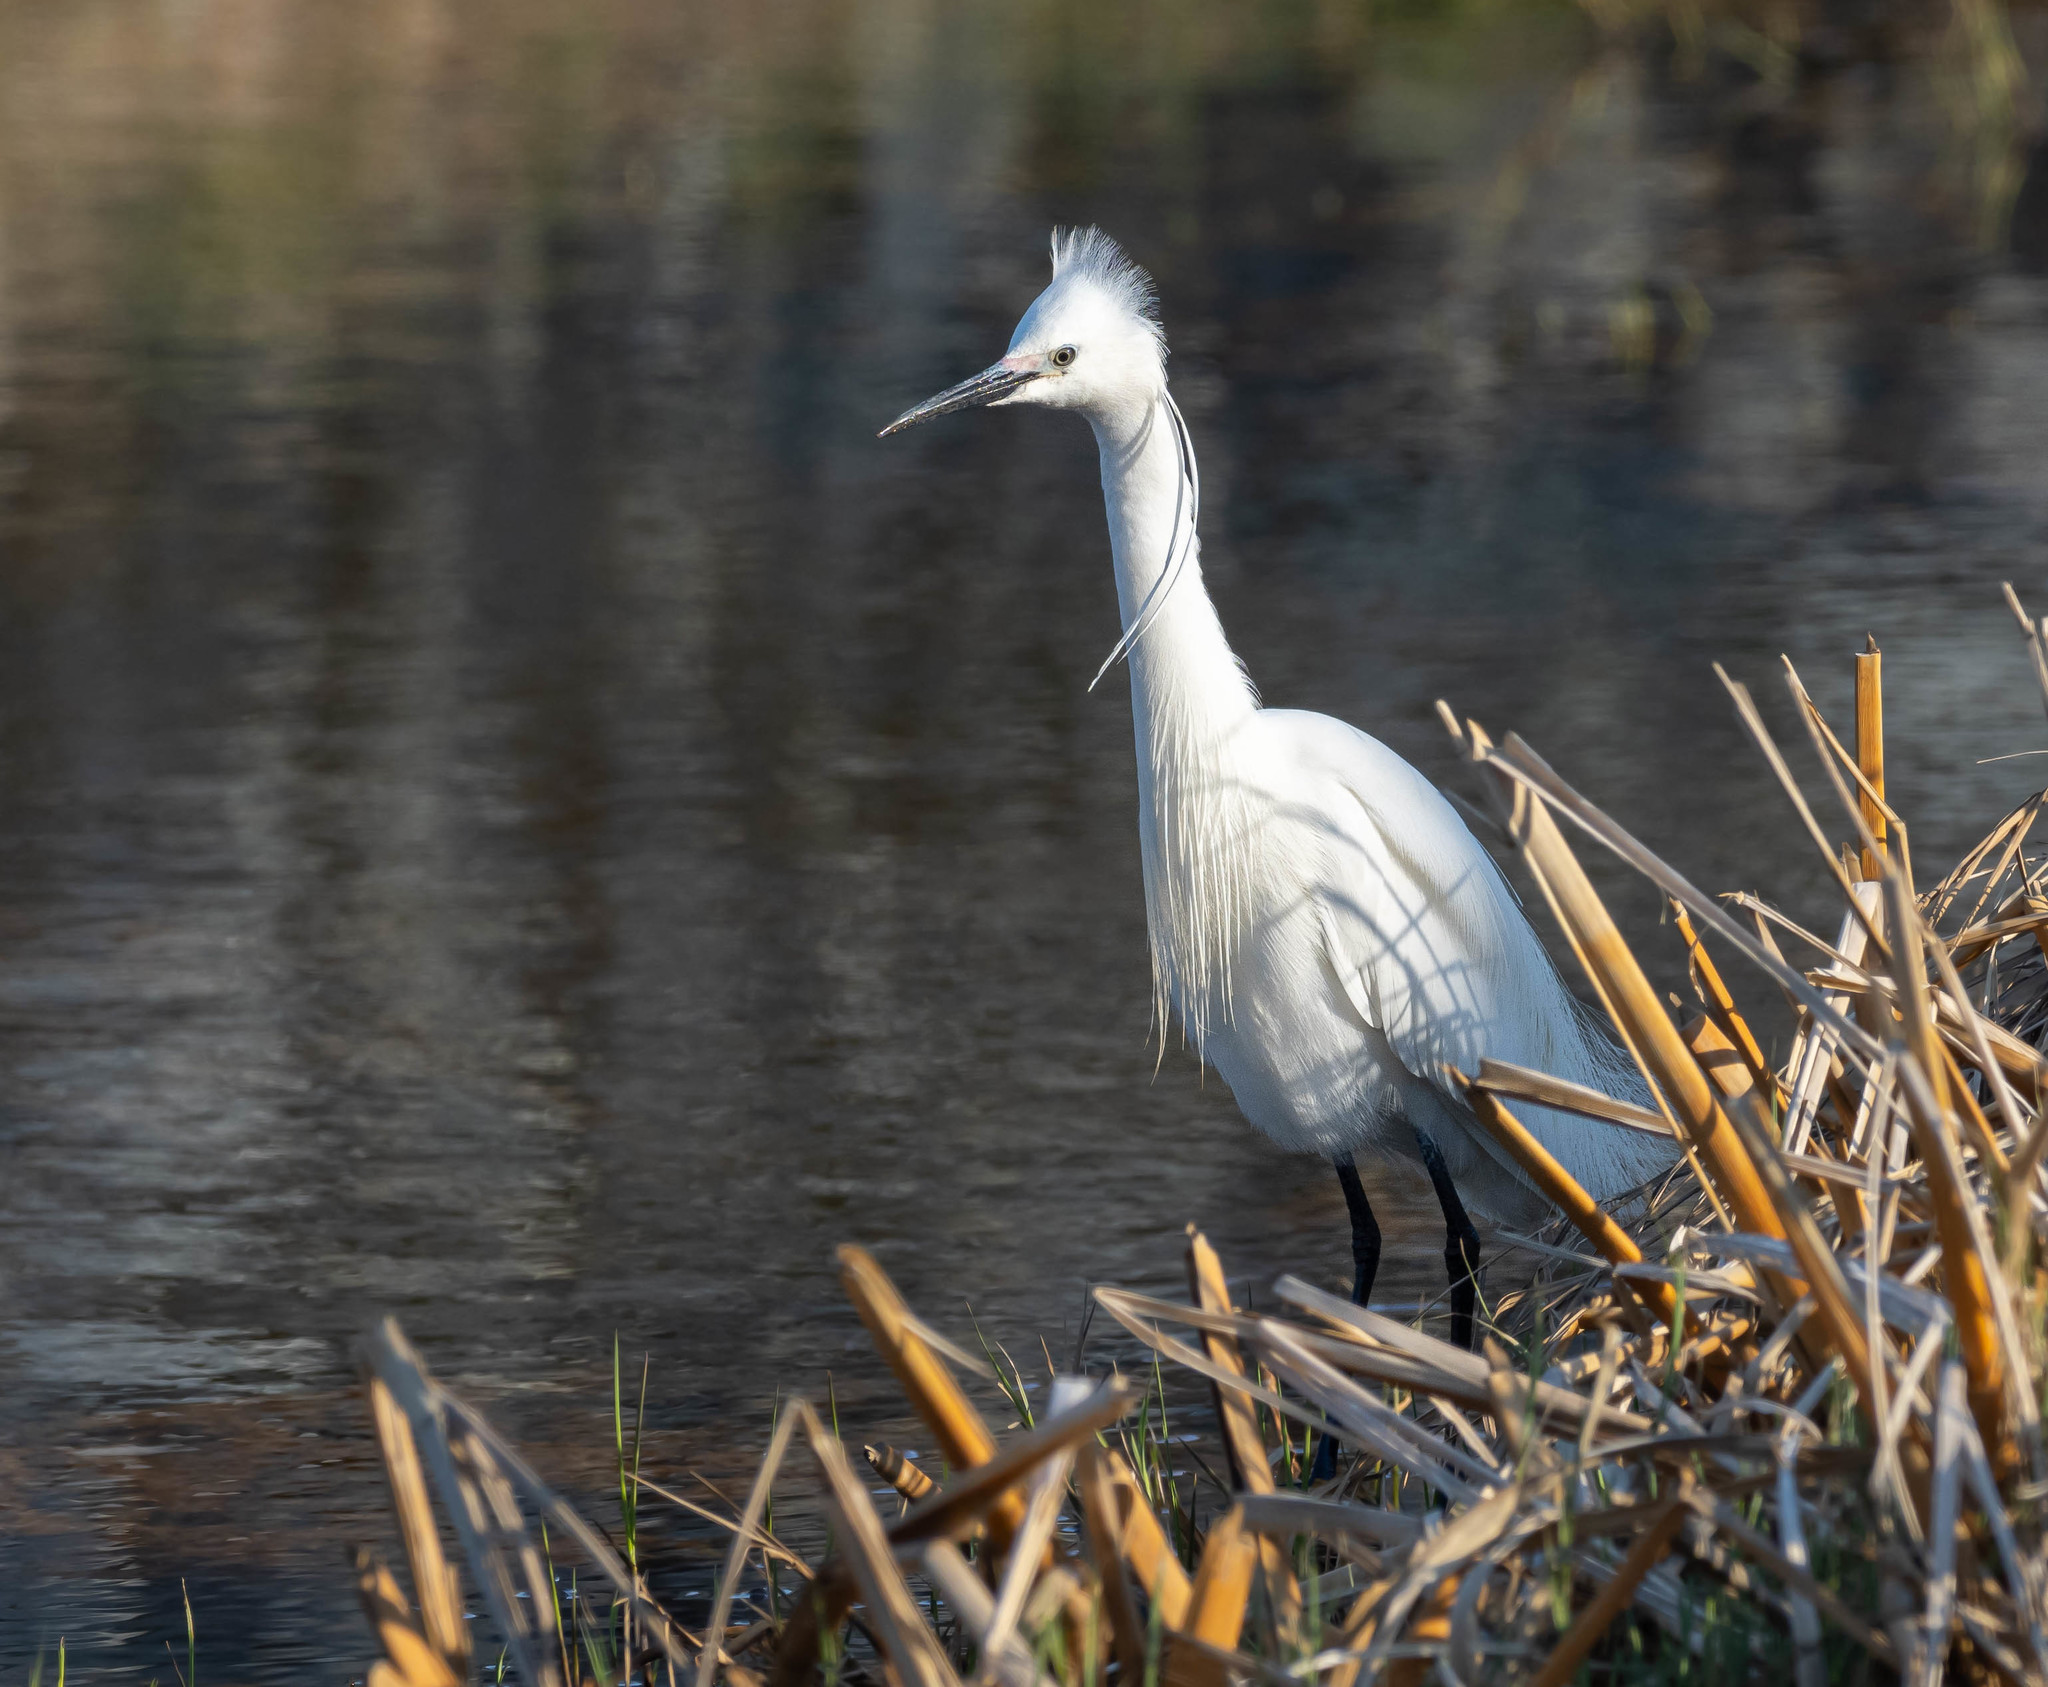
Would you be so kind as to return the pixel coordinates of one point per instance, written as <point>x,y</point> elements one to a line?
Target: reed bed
<point>1776,1416</point>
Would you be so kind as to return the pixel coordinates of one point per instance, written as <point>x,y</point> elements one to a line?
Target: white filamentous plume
<point>1329,933</point>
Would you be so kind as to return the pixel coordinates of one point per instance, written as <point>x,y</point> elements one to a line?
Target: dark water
<point>516,809</point>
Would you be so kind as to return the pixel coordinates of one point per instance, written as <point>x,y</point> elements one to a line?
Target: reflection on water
<point>519,810</point>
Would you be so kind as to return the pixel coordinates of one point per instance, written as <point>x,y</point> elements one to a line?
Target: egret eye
<point>1063,357</point>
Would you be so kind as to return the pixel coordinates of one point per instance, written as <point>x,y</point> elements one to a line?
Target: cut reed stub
<point>900,1473</point>
<point>1870,752</point>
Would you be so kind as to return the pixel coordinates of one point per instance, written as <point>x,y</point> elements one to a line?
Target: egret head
<point>1090,342</point>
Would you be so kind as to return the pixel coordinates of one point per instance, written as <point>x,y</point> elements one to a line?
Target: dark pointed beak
<point>985,388</point>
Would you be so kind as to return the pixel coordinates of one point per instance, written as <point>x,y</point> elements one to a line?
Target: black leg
<point>1365,1232</point>
<point>1365,1265</point>
<point>1461,1244</point>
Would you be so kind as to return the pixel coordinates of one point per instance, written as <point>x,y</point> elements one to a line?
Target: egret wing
<point>1424,935</point>
<point>1431,948</point>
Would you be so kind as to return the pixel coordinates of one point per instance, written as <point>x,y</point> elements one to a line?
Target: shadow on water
<point>520,811</point>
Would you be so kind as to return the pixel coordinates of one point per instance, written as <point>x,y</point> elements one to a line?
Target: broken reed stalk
<point>1720,1005</point>
<point>1430,1627</point>
<point>1102,1523</point>
<point>1766,1419</point>
<point>1923,1073</point>
<point>1243,1445</point>
<point>433,1581</point>
<point>410,1658</point>
<point>1648,1032</point>
<point>957,1427</point>
<point>1631,1002</point>
<point>1825,1281</point>
<point>1587,1216</point>
<point>1216,1605</point>
<point>892,1612</point>
<point>1651,1548</point>
<point>1147,1548</point>
<point>1521,1083</point>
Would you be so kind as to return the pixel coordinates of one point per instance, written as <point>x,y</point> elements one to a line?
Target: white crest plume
<point>1089,255</point>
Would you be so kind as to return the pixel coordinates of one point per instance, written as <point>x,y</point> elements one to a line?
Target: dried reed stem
<point>1243,1444</point>
<point>1870,752</point>
<point>1216,1604</point>
<point>440,1594</point>
<point>960,1431</point>
<point>410,1658</point>
<point>1720,1005</point>
<point>1632,1003</point>
<point>1652,1547</point>
<point>1924,1077</point>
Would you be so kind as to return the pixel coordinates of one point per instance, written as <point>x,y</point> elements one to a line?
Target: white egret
<point>1327,929</point>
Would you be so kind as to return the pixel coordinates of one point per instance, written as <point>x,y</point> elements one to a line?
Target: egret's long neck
<point>1184,678</point>
<point>1188,699</point>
